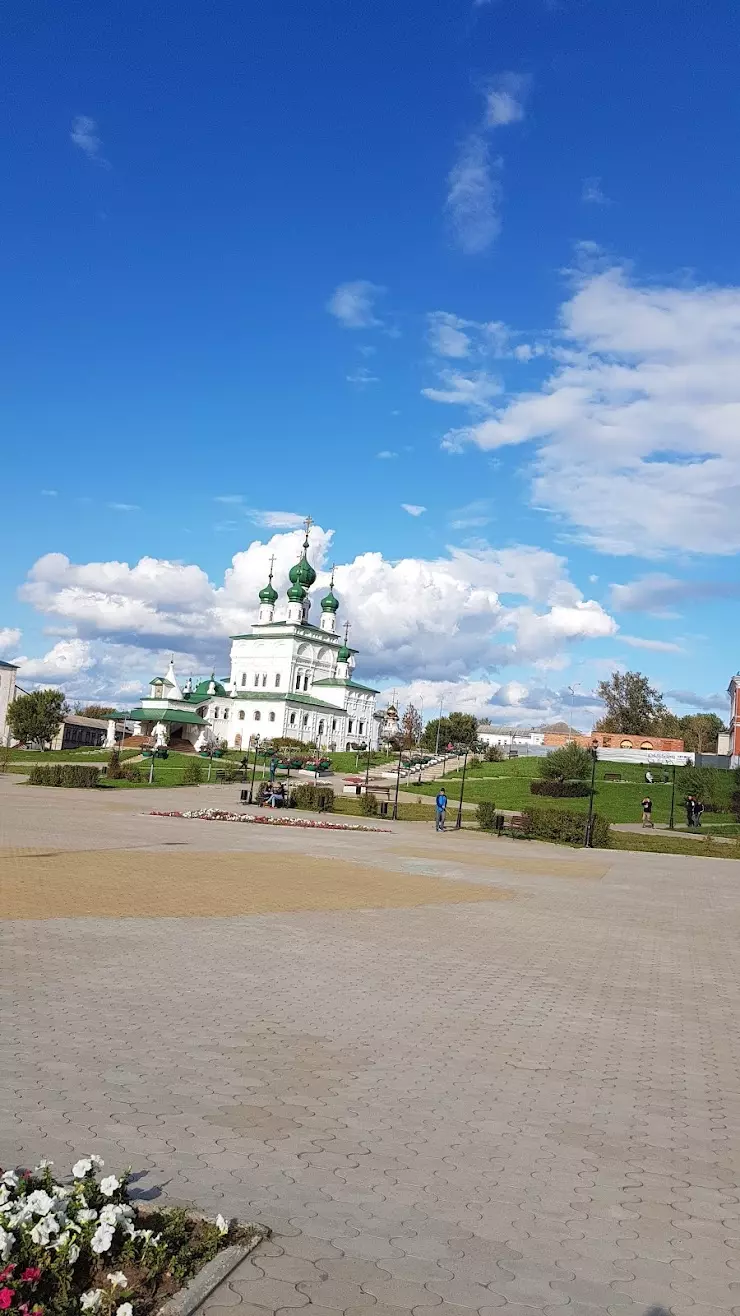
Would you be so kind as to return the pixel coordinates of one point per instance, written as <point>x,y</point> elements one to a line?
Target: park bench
<point>518,825</point>
<point>612,776</point>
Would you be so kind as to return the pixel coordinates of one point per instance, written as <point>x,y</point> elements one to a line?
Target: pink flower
<point>31,1274</point>
<point>5,1274</point>
<point>6,1299</point>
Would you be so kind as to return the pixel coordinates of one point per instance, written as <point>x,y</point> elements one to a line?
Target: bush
<point>710,785</point>
<point>474,762</point>
<point>565,828</point>
<point>486,815</point>
<point>494,754</point>
<point>310,796</point>
<point>569,763</point>
<point>557,789</point>
<point>64,774</point>
<point>369,805</point>
<point>114,771</point>
<point>735,804</point>
<point>289,742</point>
<point>130,772</point>
<point>192,773</point>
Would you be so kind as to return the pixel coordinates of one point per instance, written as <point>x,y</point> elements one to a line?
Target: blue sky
<point>248,249</point>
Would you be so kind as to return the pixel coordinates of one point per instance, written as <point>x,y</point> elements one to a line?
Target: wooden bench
<point>516,825</point>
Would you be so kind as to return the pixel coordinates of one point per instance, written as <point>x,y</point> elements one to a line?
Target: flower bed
<point>223,815</point>
<point>84,1247</point>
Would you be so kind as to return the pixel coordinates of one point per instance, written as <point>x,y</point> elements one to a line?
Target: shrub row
<point>564,827</point>
<point>311,796</point>
<point>558,790</point>
<point>64,774</point>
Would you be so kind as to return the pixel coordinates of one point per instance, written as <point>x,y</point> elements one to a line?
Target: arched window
<point>305,719</point>
<point>271,717</point>
<point>257,715</point>
<point>256,680</point>
<point>349,728</point>
<point>277,681</point>
<point>361,727</point>
<point>305,681</point>
<point>298,680</point>
<point>321,727</point>
<point>241,714</point>
<point>625,744</point>
<point>215,712</point>
<point>292,719</point>
<point>264,679</point>
<point>244,678</point>
<point>646,744</point>
<point>225,713</point>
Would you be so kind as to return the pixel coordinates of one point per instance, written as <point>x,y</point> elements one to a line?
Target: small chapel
<point>289,677</point>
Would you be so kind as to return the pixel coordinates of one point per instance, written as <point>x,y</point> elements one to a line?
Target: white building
<point>508,736</point>
<point>288,677</point>
<point>7,695</point>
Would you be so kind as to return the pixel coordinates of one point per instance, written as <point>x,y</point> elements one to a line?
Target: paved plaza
<point>453,1073</point>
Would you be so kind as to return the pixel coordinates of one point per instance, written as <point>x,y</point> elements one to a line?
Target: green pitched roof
<point>347,685</point>
<point>186,716</point>
<point>286,696</point>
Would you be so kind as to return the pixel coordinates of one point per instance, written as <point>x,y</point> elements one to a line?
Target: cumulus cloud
<point>511,703</point>
<point>447,334</point>
<point>64,661</point>
<point>353,304</point>
<point>413,509</point>
<point>446,618</point>
<point>276,520</point>
<point>505,100</point>
<point>84,134</point>
<point>475,390</point>
<point>634,434</point>
<point>9,639</point>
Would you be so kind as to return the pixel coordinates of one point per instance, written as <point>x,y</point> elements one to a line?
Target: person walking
<point>441,806</point>
<point>697,812</point>
<point>690,802</point>
<point>273,767</point>
<point>647,812</point>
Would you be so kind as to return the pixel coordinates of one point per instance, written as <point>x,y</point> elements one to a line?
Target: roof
<point>328,636</point>
<point>287,697</point>
<point>347,685</point>
<point>186,716</point>
<point>11,666</point>
<point>74,719</point>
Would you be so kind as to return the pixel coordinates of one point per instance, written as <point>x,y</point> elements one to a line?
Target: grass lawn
<point>507,785</point>
<point>660,843</point>
<point>66,755</point>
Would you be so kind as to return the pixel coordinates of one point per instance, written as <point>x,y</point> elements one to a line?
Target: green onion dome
<point>344,654</point>
<point>330,602</point>
<point>269,594</point>
<point>303,573</point>
<point>296,593</point>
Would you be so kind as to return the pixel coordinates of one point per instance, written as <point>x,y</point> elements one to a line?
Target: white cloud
<point>659,593</point>
<point>473,196</point>
<point>472,516</point>
<point>474,390</point>
<point>446,618</point>
<point>124,507</point>
<point>353,304</point>
<point>67,659</point>
<point>447,336</point>
<point>386,455</point>
<point>634,435</point>
<point>277,520</point>
<point>505,100</point>
<point>705,703</point>
<point>413,509</point>
<point>657,646</point>
<point>84,134</point>
<point>361,377</point>
<point>9,638</point>
<point>593,194</point>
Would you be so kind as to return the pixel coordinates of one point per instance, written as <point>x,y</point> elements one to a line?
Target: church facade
<point>288,677</point>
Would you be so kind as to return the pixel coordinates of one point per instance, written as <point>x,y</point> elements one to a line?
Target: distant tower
<point>302,577</point>
<point>329,609</point>
<point>344,658</point>
<point>268,598</point>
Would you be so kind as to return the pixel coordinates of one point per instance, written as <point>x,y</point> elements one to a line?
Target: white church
<point>288,677</point>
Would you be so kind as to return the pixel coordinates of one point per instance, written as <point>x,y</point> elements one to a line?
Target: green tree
<point>700,731</point>
<point>37,717</point>
<point>569,763</point>
<point>457,729</point>
<point>633,705</point>
<point>94,710</point>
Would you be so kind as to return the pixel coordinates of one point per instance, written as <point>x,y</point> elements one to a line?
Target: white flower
<point>4,1194</point>
<point>39,1202</point>
<point>43,1165</point>
<point>97,1161</point>
<point>222,1225</point>
<point>91,1300</point>
<point>102,1238</point>
<point>6,1243</point>
<point>124,1309</point>
<point>82,1167</point>
<point>72,1254</point>
<point>86,1215</point>
<point>10,1178</point>
<point>109,1185</point>
<point>114,1213</point>
<point>146,1234</point>
<point>43,1230</point>
<point>118,1280</point>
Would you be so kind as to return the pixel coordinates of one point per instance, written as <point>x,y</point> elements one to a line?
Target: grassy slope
<point>507,785</point>
<point>66,755</point>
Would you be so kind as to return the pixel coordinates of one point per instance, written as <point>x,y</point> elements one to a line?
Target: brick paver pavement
<point>529,1106</point>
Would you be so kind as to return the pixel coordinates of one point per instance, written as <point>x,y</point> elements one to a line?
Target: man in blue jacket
<point>441,805</point>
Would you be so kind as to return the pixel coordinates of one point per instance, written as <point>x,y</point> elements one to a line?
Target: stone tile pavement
<point>530,1106</point>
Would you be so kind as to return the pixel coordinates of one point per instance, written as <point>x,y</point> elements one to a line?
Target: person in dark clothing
<point>697,812</point>
<point>647,812</point>
<point>690,803</point>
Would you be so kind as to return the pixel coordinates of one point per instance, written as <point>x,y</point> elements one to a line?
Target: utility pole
<point>254,770</point>
<point>458,823</point>
<point>439,728</point>
<point>398,782</point>
<point>673,798</point>
<point>587,840</point>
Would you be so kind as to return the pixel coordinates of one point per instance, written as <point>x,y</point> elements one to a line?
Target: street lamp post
<point>673,798</point>
<point>458,823</point>
<point>439,728</point>
<point>254,770</point>
<point>367,765</point>
<point>398,782</point>
<point>587,840</point>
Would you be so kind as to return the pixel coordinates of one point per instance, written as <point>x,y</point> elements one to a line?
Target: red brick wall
<point>616,740</point>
